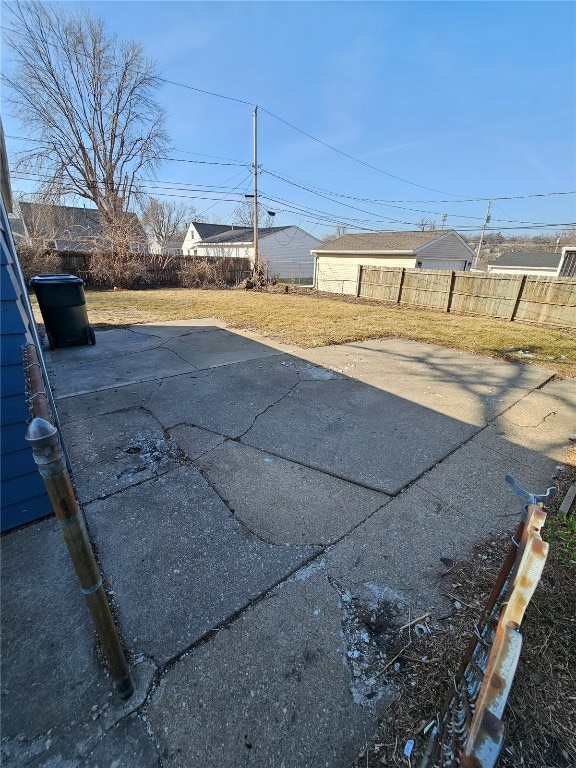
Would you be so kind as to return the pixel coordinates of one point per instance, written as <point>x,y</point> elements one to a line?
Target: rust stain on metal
<point>485,677</point>
<point>496,681</point>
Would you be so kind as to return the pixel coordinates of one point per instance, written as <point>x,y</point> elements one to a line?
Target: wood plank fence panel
<point>380,283</point>
<point>428,288</point>
<point>543,300</point>
<point>485,295</point>
<point>550,302</point>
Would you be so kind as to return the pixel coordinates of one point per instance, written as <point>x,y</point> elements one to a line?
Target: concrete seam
<point>528,426</point>
<point>272,405</point>
<point>163,669</point>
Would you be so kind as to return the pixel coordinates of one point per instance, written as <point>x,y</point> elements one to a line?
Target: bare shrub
<point>37,262</point>
<point>201,273</point>
<point>115,270</point>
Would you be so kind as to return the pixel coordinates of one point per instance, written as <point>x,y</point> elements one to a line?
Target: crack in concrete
<point>529,426</point>
<point>268,407</point>
<point>226,623</point>
<point>176,354</point>
<point>232,511</point>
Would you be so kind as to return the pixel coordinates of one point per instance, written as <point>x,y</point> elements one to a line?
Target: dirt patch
<point>540,716</point>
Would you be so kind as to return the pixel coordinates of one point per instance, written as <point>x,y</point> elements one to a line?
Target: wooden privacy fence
<point>543,300</point>
<point>154,270</point>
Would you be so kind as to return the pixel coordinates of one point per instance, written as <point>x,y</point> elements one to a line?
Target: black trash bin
<point>63,306</point>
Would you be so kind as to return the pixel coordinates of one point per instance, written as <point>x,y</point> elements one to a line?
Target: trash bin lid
<point>56,279</point>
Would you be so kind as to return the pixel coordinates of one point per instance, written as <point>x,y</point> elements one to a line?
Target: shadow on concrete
<point>242,494</point>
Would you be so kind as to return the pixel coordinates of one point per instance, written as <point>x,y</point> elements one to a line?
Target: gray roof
<point>209,230</point>
<point>69,227</point>
<point>241,234</point>
<point>529,259</point>
<point>383,241</point>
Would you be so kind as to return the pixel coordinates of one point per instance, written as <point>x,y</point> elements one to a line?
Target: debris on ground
<point>540,716</point>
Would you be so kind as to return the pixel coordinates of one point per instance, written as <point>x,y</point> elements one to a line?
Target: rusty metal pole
<point>43,437</point>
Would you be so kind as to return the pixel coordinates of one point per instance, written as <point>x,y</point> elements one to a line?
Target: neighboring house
<point>567,266</point>
<point>284,252</point>
<point>66,228</point>
<point>544,264</point>
<point>24,497</point>
<point>338,261</point>
<point>198,231</point>
<point>172,247</point>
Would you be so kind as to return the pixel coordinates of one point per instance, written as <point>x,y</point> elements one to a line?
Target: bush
<point>35,262</point>
<point>200,273</point>
<point>111,270</point>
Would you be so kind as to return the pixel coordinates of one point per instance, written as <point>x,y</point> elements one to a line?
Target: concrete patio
<point>249,502</point>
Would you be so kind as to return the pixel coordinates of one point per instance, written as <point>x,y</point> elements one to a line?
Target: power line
<point>428,202</point>
<point>310,136</point>
<point>331,195</point>
<point>173,149</point>
<point>356,159</point>
<point>208,93</point>
<point>151,184</point>
<point>313,212</point>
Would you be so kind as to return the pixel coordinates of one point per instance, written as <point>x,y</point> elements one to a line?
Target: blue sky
<point>462,99</point>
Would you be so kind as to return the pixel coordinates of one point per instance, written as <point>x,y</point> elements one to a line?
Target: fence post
<point>517,299</point>
<point>400,285</point>
<point>359,280</point>
<point>450,291</point>
<point>45,443</point>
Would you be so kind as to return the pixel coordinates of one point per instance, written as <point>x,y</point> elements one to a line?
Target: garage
<point>456,264</point>
<point>338,262</point>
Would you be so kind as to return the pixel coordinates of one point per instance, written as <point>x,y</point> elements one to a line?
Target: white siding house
<point>337,262</point>
<point>544,264</point>
<point>284,252</point>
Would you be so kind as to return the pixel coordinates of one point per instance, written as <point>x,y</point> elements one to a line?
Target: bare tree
<point>88,101</point>
<point>244,215</point>
<point>426,224</point>
<point>166,220</point>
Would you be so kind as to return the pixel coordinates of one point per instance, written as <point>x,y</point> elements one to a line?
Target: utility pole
<point>256,259</point>
<point>486,222</point>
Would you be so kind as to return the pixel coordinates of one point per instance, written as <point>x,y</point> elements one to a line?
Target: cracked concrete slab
<point>127,744</point>
<point>474,476</point>
<point>284,502</point>
<point>445,380</point>
<point>80,407</point>
<point>77,377</point>
<point>361,433</point>
<point>226,400</point>
<point>279,676</point>
<point>169,329</point>
<point>117,449</point>
<point>194,441</point>
<point>57,699</point>
<point>215,348</point>
<point>543,420</point>
<point>179,563</point>
<point>273,689</point>
<point>401,545</point>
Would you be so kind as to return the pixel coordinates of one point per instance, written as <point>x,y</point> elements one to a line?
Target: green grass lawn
<point>310,319</point>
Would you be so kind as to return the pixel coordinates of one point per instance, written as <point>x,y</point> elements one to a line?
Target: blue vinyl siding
<point>24,497</point>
